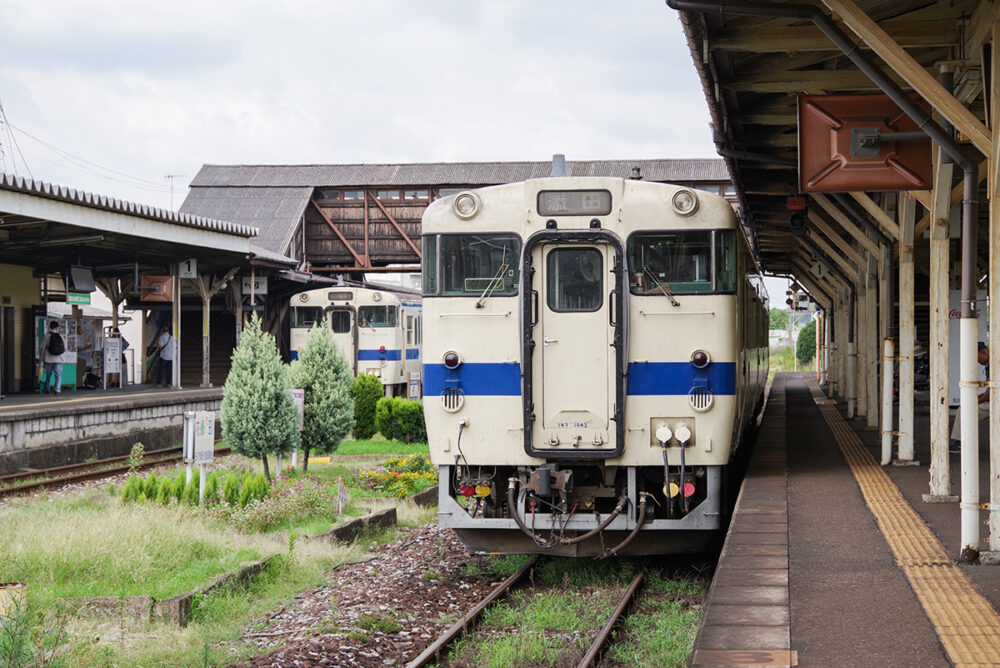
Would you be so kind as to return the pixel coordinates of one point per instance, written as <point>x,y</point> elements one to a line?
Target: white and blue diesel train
<point>379,331</point>
<point>594,349</point>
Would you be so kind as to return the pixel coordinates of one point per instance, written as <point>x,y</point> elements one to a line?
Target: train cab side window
<point>306,316</point>
<point>377,316</point>
<point>575,279</point>
<point>725,260</point>
<point>474,265</point>
<point>340,322</point>
<point>429,272</point>
<point>680,262</point>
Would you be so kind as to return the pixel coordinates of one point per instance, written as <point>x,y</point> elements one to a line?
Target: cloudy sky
<point>111,97</point>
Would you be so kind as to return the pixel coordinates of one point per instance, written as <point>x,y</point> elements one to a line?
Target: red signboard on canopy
<point>852,142</point>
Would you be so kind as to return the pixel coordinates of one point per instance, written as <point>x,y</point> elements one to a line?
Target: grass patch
<point>372,447</point>
<point>92,546</point>
<point>101,547</point>
<point>661,631</point>
<point>509,650</point>
<point>555,610</point>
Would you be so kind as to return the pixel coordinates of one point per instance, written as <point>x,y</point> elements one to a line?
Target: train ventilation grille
<point>452,399</point>
<point>701,399</point>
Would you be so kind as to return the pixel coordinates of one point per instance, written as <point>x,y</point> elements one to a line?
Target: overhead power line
<point>82,164</point>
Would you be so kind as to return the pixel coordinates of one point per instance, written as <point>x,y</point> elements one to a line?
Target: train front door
<point>345,334</point>
<point>574,375</point>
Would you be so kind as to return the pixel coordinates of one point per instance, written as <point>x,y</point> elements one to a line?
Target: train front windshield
<point>683,262</point>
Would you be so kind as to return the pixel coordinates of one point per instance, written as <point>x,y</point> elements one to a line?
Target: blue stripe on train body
<point>374,354</point>
<point>495,379</point>
<point>673,378</point>
<point>644,378</point>
<point>293,355</point>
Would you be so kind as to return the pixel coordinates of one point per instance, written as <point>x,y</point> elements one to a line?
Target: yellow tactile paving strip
<point>966,623</point>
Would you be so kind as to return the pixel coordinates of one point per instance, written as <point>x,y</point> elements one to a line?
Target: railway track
<point>21,483</point>
<point>433,653</point>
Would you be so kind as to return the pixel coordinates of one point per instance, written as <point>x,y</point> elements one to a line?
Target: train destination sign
<point>574,203</point>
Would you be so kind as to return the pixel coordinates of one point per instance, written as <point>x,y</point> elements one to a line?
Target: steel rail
<point>594,653</point>
<point>432,650</point>
<point>81,465</point>
<point>92,475</point>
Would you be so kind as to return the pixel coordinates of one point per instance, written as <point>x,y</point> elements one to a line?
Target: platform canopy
<point>754,68</point>
<point>51,227</point>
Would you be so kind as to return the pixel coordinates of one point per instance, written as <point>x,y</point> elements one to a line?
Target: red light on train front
<point>700,359</point>
<point>381,349</point>
<point>451,360</point>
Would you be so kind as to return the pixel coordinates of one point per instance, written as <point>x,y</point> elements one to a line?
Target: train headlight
<point>467,205</point>
<point>376,296</point>
<point>700,359</point>
<point>452,360</point>
<point>684,202</point>
<point>304,297</point>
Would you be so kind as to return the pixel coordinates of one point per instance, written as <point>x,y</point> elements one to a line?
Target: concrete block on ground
<point>112,607</point>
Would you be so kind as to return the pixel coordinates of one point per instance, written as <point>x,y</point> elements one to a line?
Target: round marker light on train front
<point>381,349</point>
<point>700,359</point>
<point>451,360</point>
<point>466,205</point>
<point>684,202</point>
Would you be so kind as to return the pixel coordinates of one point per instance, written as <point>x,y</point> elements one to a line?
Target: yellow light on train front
<point>466,205</point>
<point>684,202</point>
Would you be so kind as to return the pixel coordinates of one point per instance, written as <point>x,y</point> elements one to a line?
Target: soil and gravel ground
<point>383,612</point>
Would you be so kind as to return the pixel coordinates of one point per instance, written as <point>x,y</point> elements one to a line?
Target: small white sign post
<point>299,397</point>
<point>199,445</point>
<point>113,359</point>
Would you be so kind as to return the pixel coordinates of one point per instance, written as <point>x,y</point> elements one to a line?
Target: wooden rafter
<point>392,220</point>
<point>359,263</point>
<point>907,33</point>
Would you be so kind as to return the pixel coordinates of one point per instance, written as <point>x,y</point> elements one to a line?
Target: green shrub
<point>400,419</point>
<point>231,489</point>
<point>212,486</point>
<point>328,414</point>
<point>133,486</point>
<point>163,495</point>
<point>177,487</point>
<point>367,390</point>
<point>258,415</point>
<point>151,486</point>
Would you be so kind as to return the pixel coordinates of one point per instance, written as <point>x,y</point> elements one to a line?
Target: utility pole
<point>171,177</point>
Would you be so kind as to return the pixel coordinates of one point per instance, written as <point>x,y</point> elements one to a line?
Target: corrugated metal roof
<point>94,201</point>
<point>274,212</point>
<point>448,173</point>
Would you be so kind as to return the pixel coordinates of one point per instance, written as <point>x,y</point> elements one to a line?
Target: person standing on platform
<point>165,347</point>
<point>53,347</point>
<point>984,403</point>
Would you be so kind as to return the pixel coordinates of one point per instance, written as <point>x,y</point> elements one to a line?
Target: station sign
<point>199,437</point>
<point>78,298</point>
<point>187,269</point>
<point>259,285</point>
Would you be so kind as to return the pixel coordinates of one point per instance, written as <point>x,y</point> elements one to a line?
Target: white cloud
<point>151,89</point>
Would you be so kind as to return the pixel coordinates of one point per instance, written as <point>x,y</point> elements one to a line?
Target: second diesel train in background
<point>594,350</point>
<point>379,331</point>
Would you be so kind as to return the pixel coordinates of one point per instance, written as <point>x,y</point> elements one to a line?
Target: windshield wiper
<point>493,281</point>
<point>664,287</point>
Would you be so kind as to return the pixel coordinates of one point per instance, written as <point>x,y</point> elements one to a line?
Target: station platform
<point>38,431</point>
<point>833,560</point>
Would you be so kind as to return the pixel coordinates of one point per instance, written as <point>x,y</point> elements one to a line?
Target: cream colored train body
<point>378,331</point>
<point>594,349</point>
